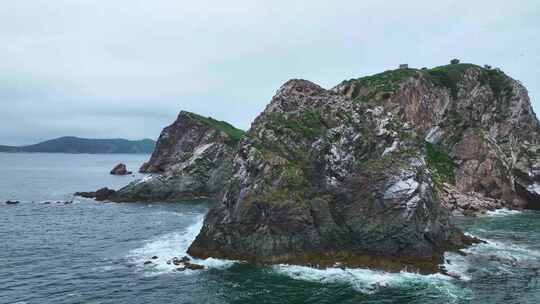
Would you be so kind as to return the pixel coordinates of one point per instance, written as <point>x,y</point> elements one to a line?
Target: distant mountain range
<point>71,144</point>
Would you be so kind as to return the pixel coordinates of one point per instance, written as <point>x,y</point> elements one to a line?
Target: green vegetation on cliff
<point>308,123</point>
<point>225,127</point>
<point>386,83</point>
<point>449,76</point>
<point>497,81</point>
<point>440,162</point>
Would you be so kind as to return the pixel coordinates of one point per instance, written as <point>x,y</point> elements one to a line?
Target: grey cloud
<point>125,68</point>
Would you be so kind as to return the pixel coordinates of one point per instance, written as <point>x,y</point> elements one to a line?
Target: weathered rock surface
<point>120,169</point>
<point>483,134</point>
<point>356,174</point>
<point>311,186</point>
<point>185,263</point>
<point>469,204</point>
<point>192,159</point>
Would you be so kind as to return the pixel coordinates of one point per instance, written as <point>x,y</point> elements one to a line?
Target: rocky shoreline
<point>469,204</point>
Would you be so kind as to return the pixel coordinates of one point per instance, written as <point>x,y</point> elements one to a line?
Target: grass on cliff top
<point>225,127</point>
<point>447,76</point>
<point>386,82</point>
<point>450,75</point>
<point>441,164</point>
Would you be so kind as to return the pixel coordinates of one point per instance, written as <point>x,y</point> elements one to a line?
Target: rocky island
<point>365,174</point>
<point>192,159</point>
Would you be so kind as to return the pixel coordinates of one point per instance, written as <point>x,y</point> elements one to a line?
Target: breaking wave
<point>372,281</point>
<point>171,245</point>
<point>492,257</point>
<point>502,212</point>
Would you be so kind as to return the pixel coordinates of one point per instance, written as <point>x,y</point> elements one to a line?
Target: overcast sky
<point>125,68</point>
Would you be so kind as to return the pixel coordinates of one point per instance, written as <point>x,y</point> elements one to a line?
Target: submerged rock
<point>192,266</point>
<point>184,263</point>
<point>120,169</point>
<point>100,195</point>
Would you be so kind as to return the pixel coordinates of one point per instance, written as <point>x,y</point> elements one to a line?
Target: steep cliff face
<point>192,159</point>
<point>319,179</point>
<point>482,133</point>
<point>359,174</point>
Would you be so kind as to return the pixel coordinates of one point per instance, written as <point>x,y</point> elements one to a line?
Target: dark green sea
<point>89,252</point>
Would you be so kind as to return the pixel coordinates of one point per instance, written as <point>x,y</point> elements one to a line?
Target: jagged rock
<point>310,187</point>
<point>184,263</point>
<point>356,174</point>
<point>469,204</point>
<point>120,169</point>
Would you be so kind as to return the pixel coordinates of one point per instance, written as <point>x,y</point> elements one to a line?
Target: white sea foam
<point>493,256</point>
<point>145,178</point>
<point>502,212</point>
<point>369,281</point>
<point>504,250</point>
<point>171,245</point>
<point>457,265</point>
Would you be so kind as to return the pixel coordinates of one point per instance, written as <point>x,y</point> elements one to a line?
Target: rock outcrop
<point>100,195</point>
<point>120,169</point>
<point>470,204</point>
<point>356,174</point>
<point>192,159</point>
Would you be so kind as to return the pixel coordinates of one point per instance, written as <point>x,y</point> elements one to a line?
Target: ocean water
<point>90,252</point>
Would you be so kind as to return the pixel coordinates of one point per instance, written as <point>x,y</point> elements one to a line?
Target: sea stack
<point>120,169</point>
<point>357,174</point>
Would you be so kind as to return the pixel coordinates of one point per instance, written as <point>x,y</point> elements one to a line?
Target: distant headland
<point>70,144</point>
